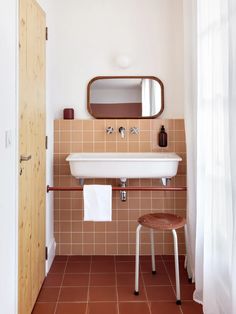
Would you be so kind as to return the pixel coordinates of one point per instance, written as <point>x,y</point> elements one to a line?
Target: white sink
<point>123,165</point>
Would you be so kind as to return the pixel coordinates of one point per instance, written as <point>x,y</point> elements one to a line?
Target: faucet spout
<point>122,131</point>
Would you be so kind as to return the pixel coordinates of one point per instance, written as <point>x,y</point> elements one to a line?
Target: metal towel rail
<point>119,188</point>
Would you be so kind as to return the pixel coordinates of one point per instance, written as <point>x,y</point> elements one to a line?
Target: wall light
<point>123,61</point>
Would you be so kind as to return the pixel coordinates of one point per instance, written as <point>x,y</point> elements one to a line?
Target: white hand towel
<point>97,202</point>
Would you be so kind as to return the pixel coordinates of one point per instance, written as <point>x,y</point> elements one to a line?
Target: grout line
<point>172,286</point>
<point>89,281</point>
<point>117,297</point>
<point>181,310</point>
<point>61,286</point>
<point>144,288</point>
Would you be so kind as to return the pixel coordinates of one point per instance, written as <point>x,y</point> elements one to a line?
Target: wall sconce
<point>123,61</point>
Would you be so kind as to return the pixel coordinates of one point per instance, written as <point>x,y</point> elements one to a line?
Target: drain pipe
<point>123,194</point>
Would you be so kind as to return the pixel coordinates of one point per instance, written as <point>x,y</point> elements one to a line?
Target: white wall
<point>8,171</point>
<point>85,36</point>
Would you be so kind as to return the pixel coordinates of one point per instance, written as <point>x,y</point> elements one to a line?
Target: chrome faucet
<point>123,194</point>
<point>134,130</point>
<point>122,131</point>
<point>109,130</point>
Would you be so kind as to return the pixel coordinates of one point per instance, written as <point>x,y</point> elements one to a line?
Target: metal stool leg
<point>186,261</point>
<point>136,290</point>
<point>178,300</point>
<point>153,252</point>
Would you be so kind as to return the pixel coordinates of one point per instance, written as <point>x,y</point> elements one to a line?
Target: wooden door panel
<point>31,142</point>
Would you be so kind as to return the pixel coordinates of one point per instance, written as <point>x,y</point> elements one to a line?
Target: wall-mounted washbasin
<point>123,165</point>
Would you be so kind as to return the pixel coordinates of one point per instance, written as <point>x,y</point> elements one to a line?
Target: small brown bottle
<point>162,137</point>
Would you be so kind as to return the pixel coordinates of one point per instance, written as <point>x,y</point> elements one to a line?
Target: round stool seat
<point>162,221</point>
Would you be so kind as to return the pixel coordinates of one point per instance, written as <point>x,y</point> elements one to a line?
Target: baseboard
<point>51,255</point>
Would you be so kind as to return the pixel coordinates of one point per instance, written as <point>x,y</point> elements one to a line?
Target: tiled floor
<point>105,285</point>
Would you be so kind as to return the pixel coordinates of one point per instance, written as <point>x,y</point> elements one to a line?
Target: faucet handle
<point>109,130</point>
<point>134,130</point>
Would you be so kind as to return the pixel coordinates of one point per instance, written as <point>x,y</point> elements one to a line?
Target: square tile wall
<point>76,237</point>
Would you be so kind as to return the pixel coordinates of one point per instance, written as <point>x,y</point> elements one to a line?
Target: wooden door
<point>31,257</point>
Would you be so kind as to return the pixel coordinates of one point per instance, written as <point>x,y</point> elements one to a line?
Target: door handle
<point>25,158</point>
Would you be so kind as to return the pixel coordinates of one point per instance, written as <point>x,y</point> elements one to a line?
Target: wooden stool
<point>159,221</point>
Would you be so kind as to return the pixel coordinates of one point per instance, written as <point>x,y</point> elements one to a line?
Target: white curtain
<point>215,117</point>
<point>190,83</point>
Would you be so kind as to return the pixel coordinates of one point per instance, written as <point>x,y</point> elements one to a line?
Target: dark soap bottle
<point>162,138</point>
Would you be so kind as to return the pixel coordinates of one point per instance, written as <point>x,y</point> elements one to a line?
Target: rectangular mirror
<point>125,97</point>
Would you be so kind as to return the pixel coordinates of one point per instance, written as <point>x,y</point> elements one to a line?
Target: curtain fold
<point>232,114</point>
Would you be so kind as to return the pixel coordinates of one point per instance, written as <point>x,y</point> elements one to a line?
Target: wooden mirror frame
<point>125,77</point>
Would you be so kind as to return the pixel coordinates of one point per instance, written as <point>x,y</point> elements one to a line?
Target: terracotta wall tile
<point>179,124</point>
<point>65,249</point>
<point>88,125</point>
<point>65,125</point>
<point>134,146</point>
<point>76,136</point>
<point>73,235</point>
<point>77,237</point>
<point>100,249</point>
<point>99,147</point>
<point>77,125</point>
<point>65,238</point>
<point>77,249</point>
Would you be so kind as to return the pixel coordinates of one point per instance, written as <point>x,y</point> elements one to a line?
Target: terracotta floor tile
<point>102,258</point>
<point>125,267</point>
<point>57,267</point>
<point>148,258</point>
<point>165,308</point>
<point>102,281</point>
<point>126,294</point>
<point>160,293</point>
<point>73,294</point>
<point>127,279</point>
<point>102,267</point>
<point>103,308</point>
<point>189,307</point>
<point>134,307</point>
<point>79,258</point>
<point>105,294</point>
<point>53,280</point>
<point>48,294</point>
<point>61,258</point>
<point>172,258</point>
<point>146,267</point>
<point>108,279</point>
<point>124,258</point>
<point>187,292</point>
<point>170,266</point>
<point>71,308</point>
<point>78,267</point>
<point>44,308</point>
<point>156,280</point>
<point>75,280</point>
<point>182,276</point>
